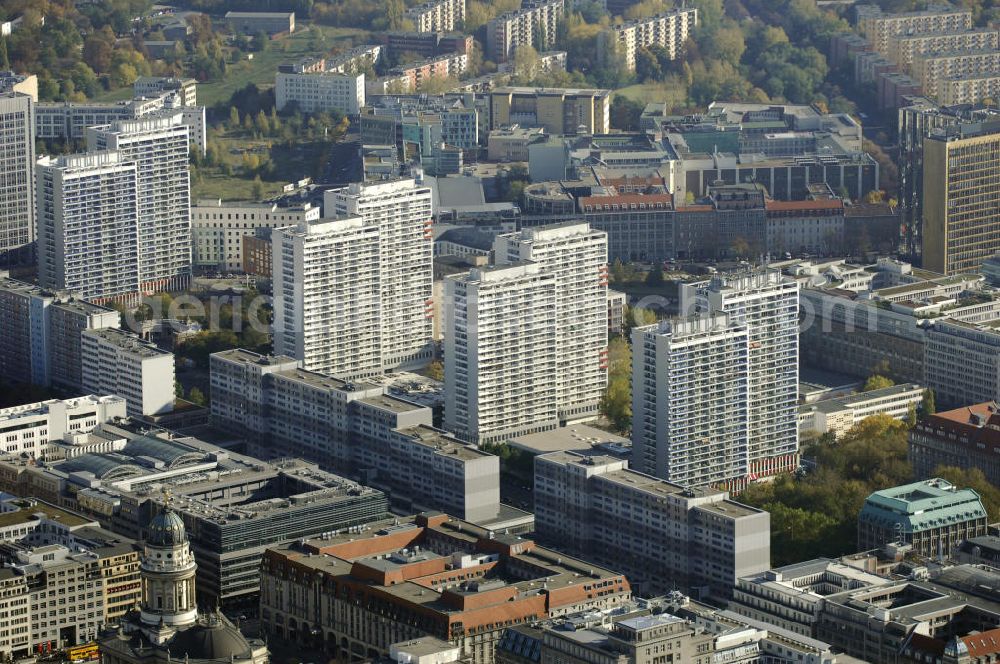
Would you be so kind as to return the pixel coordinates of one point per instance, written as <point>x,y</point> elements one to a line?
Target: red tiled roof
<point>983,644</point>
<point>964,415</point>
<point>821,204</point>
<point>627,199</point>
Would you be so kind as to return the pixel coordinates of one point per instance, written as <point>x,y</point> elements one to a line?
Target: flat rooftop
<point>28,513</point>
<point>574,437</point>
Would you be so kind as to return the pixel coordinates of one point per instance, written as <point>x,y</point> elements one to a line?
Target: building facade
<point>962,438</point>
<point>663,535</point>
<point>431,575</point>
<point>438,16</point>
<point>28,428</point>
<point>42,343</point>
<point>578,258</point>
<point>117,362</point>
<point>321,92</point>
<point>959,213</point>
<point>500,352</point>
<point>88,225</point>
<point>17,190</point>
<point>681,370</point>
<point>768,304</point>
<point>326,278</point>
<point>401,211</point>
<point>932,516</point>
<point>218,229</point>
<point>560,111</point>
<point>159,145</point>
<point>534,24</point>
<point>668,31</point>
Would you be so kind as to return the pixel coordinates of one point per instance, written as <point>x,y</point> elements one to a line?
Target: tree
<point>625,113</point>
<point>877,382</point>
<point>4,59</point>
<point>927,406</point>
<point>178,389</point>
<point>234,118</point>
<point>616,403</point>
<point>525,63</point>
<point>197,397</point>
<point>655,277</point>
<point>973,478</point>
<point>97,53</point>
<point>257,189</point>
<point>435,370</point>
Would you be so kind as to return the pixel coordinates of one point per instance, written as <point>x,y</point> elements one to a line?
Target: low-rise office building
<point>233,506</point>
<point>560,111</point>
<point>596,507</point>
<point>791,597</point>
<point>932,516</point>
<point>838,415</point>
<point>250,23</point>
<point>27,429</point>
<point>118,362</point>
<point>356,593</point>
<point>355,427</point>
<point>63,578</point>
<point>218,229</point>
<point>951,618</point>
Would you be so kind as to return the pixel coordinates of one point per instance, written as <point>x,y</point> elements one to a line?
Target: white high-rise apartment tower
<point>326,296</point>
<point>401,211</point>
<point>690,402</point>
<point>17,178</point>
<point>500,352</point>
<point>769,306</point>
<point>577,257</point>
<point>159,146</point>
<point>87,225</point>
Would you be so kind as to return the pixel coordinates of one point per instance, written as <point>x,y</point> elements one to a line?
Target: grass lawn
<point>646,93</point>
<point>229,187</point>
<point>290,164</point>
<point>263,67</point>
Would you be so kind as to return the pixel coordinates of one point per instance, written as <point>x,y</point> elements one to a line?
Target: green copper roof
<point>922,506</point>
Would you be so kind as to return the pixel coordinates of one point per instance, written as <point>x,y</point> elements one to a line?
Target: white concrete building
<point>326,296</point>
<point>159,144</point>
<point>534,24</point>
<point>218,229</point>
<point>402,212</point>
<point>117,362</point>
<point>668,30</point>
<point>438,16</point>
<point>500,357</point>
<point>17,179</point>
<point>150,86</point>
<point>578,258</point>
<point>690,400</point>
<point>320,92</point>
<point>88,221</point>
<point>837,416</point>
<point>768,304</point>
<point>28,428</point>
